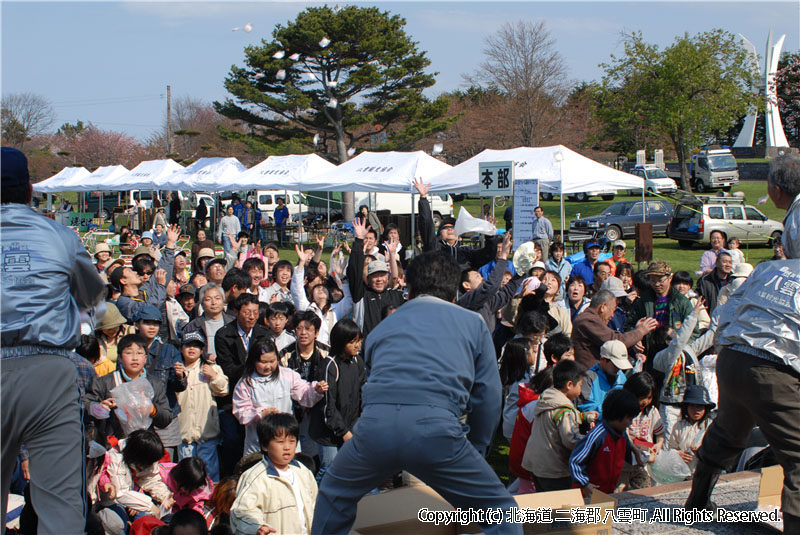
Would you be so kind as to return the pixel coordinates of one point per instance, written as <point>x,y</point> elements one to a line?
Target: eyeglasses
<point>146,273</point>
<point>445,227</point>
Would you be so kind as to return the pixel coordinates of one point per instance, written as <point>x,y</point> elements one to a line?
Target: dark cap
<point>448,220</point>
<point>181,253</point>
<point>148,313</point>
<point>14,168</point>
<point>187,289</point>
<point>589,244</point>
<point>193,338</point>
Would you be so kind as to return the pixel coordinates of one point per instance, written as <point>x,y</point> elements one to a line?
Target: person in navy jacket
<point>431,405</point>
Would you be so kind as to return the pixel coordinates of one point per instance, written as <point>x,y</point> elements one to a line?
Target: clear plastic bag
<point>668,467</point>
<point>134,401</point>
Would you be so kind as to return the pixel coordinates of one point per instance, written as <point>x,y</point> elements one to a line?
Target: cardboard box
<point>396,511</point>
<point>769,493</point>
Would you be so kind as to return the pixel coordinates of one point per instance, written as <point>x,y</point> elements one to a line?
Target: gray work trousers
<point>427,441</point>
<point>41,409</point>
<point>755,391</point>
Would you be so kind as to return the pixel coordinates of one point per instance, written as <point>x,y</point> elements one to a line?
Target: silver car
<point>697,216</point>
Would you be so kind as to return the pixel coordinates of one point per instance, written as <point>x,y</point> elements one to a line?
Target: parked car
<point>619,219</point>
<point>655,180</point>
<point>697,216</point>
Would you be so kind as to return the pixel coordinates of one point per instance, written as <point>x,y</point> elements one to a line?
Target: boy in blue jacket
<point>604,376</point>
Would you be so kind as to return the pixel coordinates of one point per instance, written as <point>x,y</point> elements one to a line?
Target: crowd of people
<point>244,393</point>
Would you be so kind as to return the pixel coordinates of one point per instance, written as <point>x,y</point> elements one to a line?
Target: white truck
<point>712,169</point>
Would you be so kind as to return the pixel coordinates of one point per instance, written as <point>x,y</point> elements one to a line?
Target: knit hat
<point>14,167</point>
<point>113,318</point>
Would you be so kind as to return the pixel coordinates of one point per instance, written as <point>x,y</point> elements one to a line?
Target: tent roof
<point>97,180</point>
<point>149,175</point>
<point>282,172</point>
<point>574,173</point>
<point>56,182</point>
<point>392,172</point>
<point>207,174</point>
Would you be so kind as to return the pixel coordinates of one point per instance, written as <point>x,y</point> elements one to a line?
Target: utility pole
<point>169,119</point>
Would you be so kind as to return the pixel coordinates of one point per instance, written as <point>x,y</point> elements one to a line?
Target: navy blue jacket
<point>431,352</point>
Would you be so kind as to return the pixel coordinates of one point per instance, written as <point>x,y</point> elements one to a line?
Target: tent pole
<point>413,243</point>
<point>644,204</point>
<point>328,194</point>
<point>563,217</point>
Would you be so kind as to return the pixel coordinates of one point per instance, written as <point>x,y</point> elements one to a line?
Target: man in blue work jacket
<point>48,280</point>
<point>417,395</point>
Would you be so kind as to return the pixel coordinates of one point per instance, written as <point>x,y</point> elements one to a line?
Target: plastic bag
<point>134,402</point>
<point>669,468</point>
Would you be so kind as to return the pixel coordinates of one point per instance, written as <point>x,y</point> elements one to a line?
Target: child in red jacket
<point>528,395</point>
<point>596,461</point>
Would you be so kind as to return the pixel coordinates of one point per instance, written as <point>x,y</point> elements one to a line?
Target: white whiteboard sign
<point>495,178</point>
<point>526,199</point>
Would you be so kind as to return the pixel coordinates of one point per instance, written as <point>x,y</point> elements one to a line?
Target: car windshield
<point>616,209</point>
<point>656,173</point>
<point>722,162</point>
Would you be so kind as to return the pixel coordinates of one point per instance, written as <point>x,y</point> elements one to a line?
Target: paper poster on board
<point>526,199</point>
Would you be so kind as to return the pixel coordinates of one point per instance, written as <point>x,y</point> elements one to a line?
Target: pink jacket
<point>252,397</point>
<point>196,500</point>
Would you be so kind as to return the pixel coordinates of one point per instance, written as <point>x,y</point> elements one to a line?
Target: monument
<point>775,137</point>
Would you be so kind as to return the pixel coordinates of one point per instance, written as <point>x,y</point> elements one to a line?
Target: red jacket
<point>598,458</point>
<point>521,434</point>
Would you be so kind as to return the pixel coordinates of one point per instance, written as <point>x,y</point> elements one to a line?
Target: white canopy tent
<point>206,174</point>
<point>98,180</point>
<point>559,170</point>
<point>149,175</point>
<point>56,182</point>
<point>385,172</point>
<point>282,173</point>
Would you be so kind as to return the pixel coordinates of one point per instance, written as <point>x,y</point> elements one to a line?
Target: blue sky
<point>109,62</point>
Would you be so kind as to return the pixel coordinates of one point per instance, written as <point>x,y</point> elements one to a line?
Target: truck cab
<point>712,169</point>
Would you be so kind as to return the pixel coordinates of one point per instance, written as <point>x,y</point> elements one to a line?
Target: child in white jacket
<point>277,494</point>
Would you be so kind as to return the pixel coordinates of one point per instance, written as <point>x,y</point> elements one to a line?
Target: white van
<point>268,199</point>
<point>400,203</point>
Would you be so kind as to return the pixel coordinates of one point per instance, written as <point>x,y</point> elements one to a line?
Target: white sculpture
<point>775,135</point>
